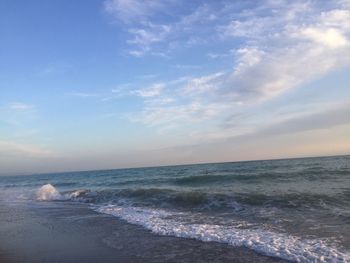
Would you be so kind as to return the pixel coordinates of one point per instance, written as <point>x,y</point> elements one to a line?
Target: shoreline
<point>66,232</point>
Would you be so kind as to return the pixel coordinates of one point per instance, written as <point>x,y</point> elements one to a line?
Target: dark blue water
<point>297,209</point>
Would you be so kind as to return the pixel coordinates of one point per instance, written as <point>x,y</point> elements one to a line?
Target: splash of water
<point>48,192</point>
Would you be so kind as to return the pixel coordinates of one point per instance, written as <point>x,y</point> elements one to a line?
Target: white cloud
<point>338,18</point>
<point>276,46</point>
<point>229,53</point>
<point>82,94</point>
<point>149,36</point>
<point>174,115</point>
<point>187,66</point>
<point>136,53</point>
<point>152,91</point>
<point>20,106</point>
<point>132,10</point>
<point>247,57</point>
<point>202,84</point>
<point>324,119</point>
<point>329,37</point>
<point>249,28</point>
<point>136,15</point>
<point>284,51</point>
<point>121,90</point>
<point>145,37</point>
<point>345,3</point>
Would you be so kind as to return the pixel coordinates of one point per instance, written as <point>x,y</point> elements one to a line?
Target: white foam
<point>263,241</point>
<point>48,192</point>
<point>77,193</point>
<point>15,195</point>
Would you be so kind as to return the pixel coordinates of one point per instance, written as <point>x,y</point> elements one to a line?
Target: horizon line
<point>185,164</point>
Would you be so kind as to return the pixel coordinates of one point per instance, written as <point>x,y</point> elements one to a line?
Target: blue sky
<point>125,83</point>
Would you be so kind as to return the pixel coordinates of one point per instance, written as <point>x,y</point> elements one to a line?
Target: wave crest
<point>264,241</point>
<point>48,192</point>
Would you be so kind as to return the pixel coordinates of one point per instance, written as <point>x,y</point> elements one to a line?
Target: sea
<point>293,209</point>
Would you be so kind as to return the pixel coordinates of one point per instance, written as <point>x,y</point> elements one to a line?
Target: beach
<point>69,232</point>
<point>263,211</point>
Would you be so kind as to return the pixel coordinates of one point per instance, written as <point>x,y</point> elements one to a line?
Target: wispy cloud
<point>229,53</point>
<point>202,84</point>
<point>20,106</point>
<point>187,66</point>
<point>276,137</point>
<point>152,91</point>
<point>149,36</point>
<point>276,46</point>
<point>287,49</point>
<point>326,119</point>
<point>176,114</point>
<point>132,10</point>
<point>83,94</point>
<point>136,53</point>
<point>146,37</point>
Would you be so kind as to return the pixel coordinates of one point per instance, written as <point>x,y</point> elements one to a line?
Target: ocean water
<point>295,209</point>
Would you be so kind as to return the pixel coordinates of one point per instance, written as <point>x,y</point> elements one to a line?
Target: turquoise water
<point>296,209</point>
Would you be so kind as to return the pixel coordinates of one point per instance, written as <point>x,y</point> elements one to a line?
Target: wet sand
<point>65,232</point>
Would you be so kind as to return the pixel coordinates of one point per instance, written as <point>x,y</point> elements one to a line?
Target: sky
<point>104,84</point>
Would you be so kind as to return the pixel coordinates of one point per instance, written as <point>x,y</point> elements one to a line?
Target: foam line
<point>263,241</point>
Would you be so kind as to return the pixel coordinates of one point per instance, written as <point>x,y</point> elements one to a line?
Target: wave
<point>263,241</point>
<point>165,198</point>
<point>198,200</point>
<point>254,177</point>
<point>49,193</point>
<point>193,180</point>
<point>153,208</point>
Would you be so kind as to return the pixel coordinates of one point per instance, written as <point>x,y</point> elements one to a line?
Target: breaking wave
<point>49,193</point>
<point>183,213</point>
<point>196,199</point>
<point>263,241</point>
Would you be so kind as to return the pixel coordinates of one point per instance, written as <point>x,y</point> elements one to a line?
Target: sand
<point>66,232</point>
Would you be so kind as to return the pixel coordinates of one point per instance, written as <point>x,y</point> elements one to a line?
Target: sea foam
<point>48,192</point>
<point>263,241</point>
